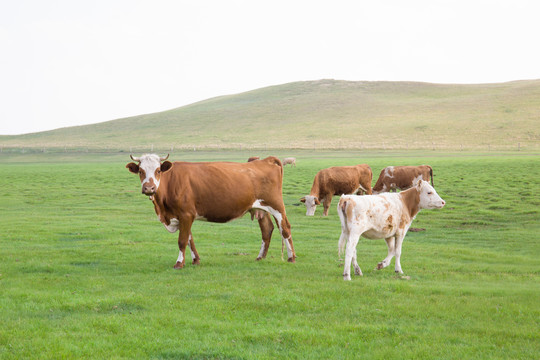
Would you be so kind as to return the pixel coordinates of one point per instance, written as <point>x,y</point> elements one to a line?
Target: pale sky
<point>69,62</point>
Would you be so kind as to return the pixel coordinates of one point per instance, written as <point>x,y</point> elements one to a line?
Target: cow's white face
<point>429,199</point>
<point>311,203</point>
<point>149,170</point>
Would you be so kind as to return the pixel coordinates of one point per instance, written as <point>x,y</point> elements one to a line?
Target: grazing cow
<point>337,180</point>
<point>401,177</point>
<point>253,158</point>
<point>213,191</point>
<point>289,160</point>
<point>386,216</point>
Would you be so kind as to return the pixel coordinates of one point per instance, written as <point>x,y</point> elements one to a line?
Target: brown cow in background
<point>337,180</point>
<point>401,177</point>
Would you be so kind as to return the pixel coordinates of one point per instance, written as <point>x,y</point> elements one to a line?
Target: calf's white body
<point>387,216</point>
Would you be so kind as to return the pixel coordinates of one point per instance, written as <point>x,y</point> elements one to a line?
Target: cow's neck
<point>315,188</point>
<point>160,196</point>
<point>411,201</point>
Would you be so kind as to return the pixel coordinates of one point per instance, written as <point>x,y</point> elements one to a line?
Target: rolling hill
<point>325,114</point>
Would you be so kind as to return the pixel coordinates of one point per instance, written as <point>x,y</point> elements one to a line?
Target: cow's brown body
<point>339,180</point>
<point>392,178</point>
<point>218,192</point>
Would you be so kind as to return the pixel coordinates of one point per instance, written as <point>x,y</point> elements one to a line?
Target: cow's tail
<point>342,212</point>
<point>275,161</point>
<point>431,174</point>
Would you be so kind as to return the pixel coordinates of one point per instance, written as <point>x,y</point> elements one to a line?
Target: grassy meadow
<point>86,268</point>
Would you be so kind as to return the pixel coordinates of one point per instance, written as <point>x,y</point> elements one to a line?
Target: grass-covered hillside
<point>328,114</point>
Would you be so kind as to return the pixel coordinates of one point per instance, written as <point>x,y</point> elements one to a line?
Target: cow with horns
<point>183,192</point>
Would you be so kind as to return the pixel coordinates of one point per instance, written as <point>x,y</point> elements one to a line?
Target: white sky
<point>69,62</point>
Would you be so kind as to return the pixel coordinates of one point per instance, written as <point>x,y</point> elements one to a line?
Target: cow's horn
<point>164,158</point>
<point>135,158</point>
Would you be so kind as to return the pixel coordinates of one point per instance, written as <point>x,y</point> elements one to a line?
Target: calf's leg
<point>399,243</point>
<point>357,270</point>
<point>390,242</point>
<point>350,252</point>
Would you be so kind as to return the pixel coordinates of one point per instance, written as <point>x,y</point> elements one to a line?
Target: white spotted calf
<point>387,216</point>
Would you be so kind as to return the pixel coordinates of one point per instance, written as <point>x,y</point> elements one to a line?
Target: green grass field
<point>86,269</point>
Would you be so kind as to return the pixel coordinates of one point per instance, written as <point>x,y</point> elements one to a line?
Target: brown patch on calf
<point>411,201</point>
<point>390,223</point>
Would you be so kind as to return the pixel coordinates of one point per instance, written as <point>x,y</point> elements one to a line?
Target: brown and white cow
<point>386,216</point>
<point>401,177</point>
<point>337,180</point>
<point>183,192</point>
<point>289,160</point>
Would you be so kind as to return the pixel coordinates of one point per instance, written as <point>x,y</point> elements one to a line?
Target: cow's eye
<point>429,193</point>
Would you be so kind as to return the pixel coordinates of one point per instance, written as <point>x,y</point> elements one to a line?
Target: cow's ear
<point>303,199</point>
<point>134,168</point>
<point>418,183</point>
<point>317,202</point>
<point>167,165</point>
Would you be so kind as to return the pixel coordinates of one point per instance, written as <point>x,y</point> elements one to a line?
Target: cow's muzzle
<point>149,189</point>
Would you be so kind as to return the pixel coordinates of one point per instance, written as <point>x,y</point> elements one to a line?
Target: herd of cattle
<point>183,192</point>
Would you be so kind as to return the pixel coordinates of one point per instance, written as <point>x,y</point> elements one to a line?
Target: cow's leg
<point>350,252</point>
<point>183,240</point>
<point>278,212</point>
<point>285,230</point>
<point>194,254</point>
<point>265,223</point>
<point>399,243</point>
<point>327,201</point>
<point>390,242</point>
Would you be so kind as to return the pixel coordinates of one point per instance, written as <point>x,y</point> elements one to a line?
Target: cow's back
<point>406,174</point>
<point>222,191</point>
<point>338,180</point>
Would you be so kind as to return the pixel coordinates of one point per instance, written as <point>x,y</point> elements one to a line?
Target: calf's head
<point>429,199</point>
<point>149,167</point>
<point>311,203</point>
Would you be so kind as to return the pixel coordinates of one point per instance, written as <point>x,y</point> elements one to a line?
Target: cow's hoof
<point>291,260</point>
<point>380,266</point>
<point>399,272</point>
<point>259,258</point>
<point>358,272</point>
<point>347,277</point>
<point>178,265</point>
<point>196,262</point>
